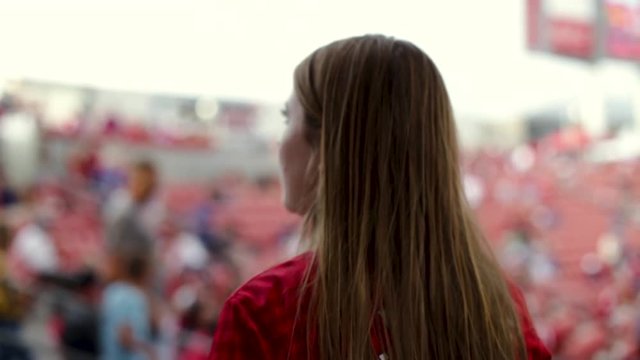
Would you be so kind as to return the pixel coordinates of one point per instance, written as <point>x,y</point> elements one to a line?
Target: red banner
<point>571,37</point>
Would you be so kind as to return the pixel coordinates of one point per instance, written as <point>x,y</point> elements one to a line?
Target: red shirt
<point>259,320</point>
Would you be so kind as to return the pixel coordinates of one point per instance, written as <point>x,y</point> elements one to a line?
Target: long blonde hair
<point>392,231</point>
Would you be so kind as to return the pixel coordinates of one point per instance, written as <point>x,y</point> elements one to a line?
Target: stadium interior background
<point>546,95</point>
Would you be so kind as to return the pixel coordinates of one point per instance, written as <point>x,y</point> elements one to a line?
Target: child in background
<point>125,311</point>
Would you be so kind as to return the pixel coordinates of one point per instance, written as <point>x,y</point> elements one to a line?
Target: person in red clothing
<point>398,268</point>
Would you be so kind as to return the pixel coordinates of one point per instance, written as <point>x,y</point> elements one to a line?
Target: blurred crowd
<point>114,259</point>
<point>567,231</point>
<point>109,258</point>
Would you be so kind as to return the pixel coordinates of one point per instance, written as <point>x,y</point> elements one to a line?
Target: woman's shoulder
<point>275,285</point>
<point>263,313</point>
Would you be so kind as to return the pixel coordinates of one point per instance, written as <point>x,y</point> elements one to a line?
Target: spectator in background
<point>8,196</point>
<point>180,251</point>
<point>126,315</point>
<point>85,164</point>
<point>205,222</point>
<point>139,199</point>
<point>12,306</point>
<point>33,248</point>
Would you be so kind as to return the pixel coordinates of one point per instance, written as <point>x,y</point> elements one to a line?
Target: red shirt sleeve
<point>237,335</point>
<point>536,350</point>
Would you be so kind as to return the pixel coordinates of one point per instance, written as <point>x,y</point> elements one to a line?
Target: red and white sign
<point>571,37</point>
<point>564,27</point>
